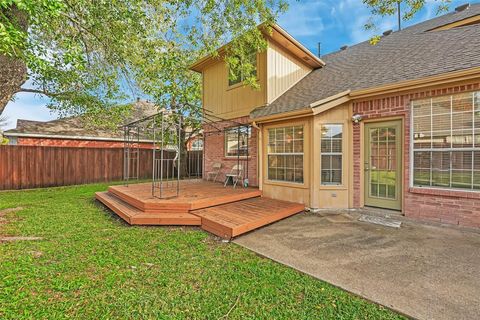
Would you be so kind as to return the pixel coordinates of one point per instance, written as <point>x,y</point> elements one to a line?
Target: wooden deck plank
<point>225,212</point>
<point>193,195</point>
<point>233,219</point>
<point>135,216</point>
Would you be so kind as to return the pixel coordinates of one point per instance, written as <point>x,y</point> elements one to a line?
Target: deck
<point>224,211</point>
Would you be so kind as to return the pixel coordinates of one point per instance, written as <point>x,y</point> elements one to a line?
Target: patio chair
<point>215,171</point>
<point>236,174</point>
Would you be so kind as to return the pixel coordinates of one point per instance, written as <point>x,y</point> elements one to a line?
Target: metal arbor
<point>165,169</point>
<point>156,147</point>
<point>162,134</point>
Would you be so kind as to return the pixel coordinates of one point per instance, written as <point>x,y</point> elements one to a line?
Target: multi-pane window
<point>446,142</point>
<point>236,141</point>
<point>331,153</point>
<point>237,76</point>
<point>285,154</point>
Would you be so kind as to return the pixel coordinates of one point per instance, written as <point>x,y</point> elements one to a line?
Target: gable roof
<point>75,128</point>
<point>280,36</point>
<point>413,53</point>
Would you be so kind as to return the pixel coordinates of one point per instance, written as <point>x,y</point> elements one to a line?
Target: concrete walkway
<point>427,272</point>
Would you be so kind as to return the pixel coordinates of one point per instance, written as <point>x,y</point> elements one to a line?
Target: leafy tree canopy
<point>383,8</point>
<point>89,55</point>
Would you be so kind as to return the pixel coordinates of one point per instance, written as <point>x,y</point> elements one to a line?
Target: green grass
<point>91,265</point>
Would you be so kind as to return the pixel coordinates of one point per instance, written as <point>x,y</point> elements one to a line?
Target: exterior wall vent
<point>462,7</point>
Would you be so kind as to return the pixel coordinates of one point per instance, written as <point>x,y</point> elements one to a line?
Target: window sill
<point>332,187</point>
<point>239,158</point>
<point>286,184</point>
<point>445,192</point>
<point>235,86</point>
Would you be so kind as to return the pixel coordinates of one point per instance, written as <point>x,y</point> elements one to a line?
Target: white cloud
<point>27,106</point>
<point>304,18</point>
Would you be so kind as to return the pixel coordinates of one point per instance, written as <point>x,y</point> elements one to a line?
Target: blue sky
<point>334,23</point>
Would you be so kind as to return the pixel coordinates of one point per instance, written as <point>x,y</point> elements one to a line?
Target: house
<point>394,125</point>
<point>73,131</point>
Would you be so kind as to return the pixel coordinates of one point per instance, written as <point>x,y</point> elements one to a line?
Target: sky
<point>333,23</point>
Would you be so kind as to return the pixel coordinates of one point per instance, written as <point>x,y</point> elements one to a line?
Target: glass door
<point>383,166</point>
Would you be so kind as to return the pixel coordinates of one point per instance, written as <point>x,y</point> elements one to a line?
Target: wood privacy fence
<point>25,167</point>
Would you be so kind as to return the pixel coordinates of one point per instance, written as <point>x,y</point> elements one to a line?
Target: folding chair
<point>236,174</point>
<point>215,171</point>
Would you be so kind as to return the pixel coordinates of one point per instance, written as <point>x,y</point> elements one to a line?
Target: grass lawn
<point>91,265</point>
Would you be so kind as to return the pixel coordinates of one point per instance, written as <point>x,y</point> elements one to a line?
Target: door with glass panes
<point>383,164</point>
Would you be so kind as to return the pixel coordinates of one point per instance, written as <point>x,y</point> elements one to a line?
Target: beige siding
<point>312,193</point>
<point>296,192</point>
<point>283,71</point>
<point>324,196</point>
<point>235,101</point>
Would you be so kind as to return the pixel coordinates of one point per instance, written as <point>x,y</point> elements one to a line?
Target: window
<point>285,154</point>
<point>236,141</point>
<point>197,145</point>
<point>331,152</point>
<point>236,76</point>
<point>446,142</point>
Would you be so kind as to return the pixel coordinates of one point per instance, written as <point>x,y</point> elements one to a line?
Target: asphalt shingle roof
<point>76,127</point>
<point>412,53</point>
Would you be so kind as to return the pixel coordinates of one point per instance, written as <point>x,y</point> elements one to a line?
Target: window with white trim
<point>236,141</point>
<point>331,154</point>
<point>446,142</point>
<point>285,154</point>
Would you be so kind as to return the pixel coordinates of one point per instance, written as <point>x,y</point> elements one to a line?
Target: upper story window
<point>331,154</point>
<point>446,142</point>
<point>236,141</point>
<point>285,154</point>
<point>236,76</point>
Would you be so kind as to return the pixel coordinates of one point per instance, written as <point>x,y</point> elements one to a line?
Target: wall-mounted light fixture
<point>356,118</point>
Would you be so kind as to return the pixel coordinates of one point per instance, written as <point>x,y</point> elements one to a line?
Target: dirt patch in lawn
<point>4,220</point>
<point>4,213</point>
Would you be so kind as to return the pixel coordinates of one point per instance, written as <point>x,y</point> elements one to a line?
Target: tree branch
<point>44,92</point>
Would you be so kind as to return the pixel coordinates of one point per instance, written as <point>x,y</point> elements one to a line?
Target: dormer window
<point>236,77</point>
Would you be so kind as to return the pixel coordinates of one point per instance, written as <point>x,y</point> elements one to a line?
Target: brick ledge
<point>445,193</point>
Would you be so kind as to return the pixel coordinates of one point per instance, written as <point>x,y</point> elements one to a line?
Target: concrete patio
<point>424,271</point>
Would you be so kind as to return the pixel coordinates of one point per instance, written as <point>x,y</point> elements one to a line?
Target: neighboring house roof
<point>75,128</point>
<point>413,53</point>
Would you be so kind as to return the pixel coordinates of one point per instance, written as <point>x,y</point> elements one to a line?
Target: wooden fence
<point>25,167</point>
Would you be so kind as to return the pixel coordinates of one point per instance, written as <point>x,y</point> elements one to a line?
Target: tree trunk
<point>13,71</point>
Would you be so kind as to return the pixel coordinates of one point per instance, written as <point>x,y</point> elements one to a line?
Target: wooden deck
<point>193,195</point>
<point>225,212</point>
<point>233,219</point>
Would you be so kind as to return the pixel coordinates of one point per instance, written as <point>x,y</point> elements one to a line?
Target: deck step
<point>150,205</point>
<point>192,197</point>
<point>135,216</point>
<point>233,219</point>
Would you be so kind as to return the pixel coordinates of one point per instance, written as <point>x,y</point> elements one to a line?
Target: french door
<point>383,164</point>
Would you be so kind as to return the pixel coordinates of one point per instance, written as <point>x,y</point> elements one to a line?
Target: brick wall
<point>214,148</point>
<point>453,207</point>
<point>49,142</point>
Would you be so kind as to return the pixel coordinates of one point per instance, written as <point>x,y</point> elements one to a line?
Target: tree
<point>3,123</point>
<point>407,8</point>
<point>86,55</point>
